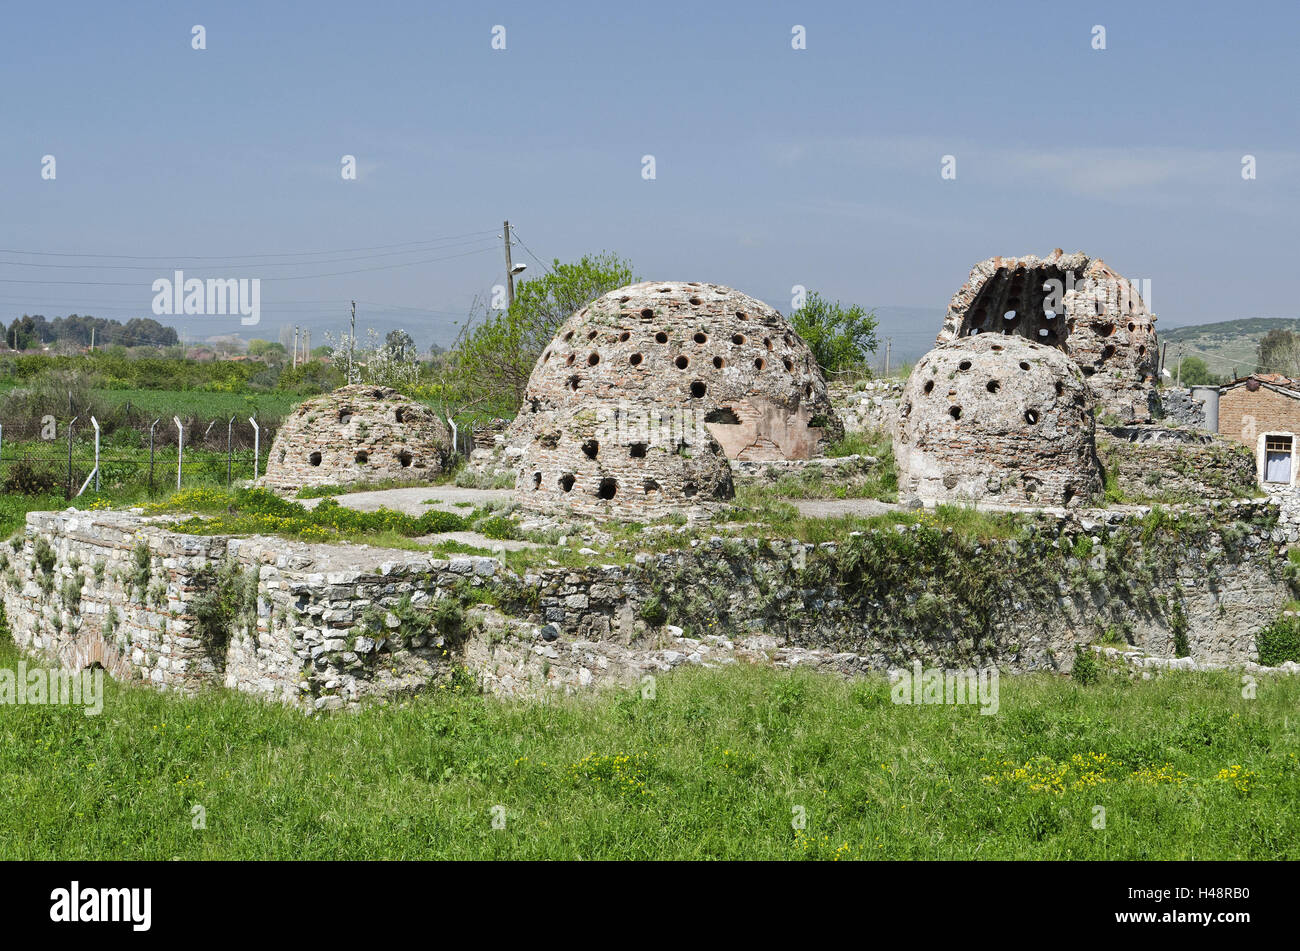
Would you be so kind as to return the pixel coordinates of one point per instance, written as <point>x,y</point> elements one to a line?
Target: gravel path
<point>416,500</point>
<point>837,508</point>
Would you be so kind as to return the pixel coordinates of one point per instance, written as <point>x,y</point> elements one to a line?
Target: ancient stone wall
<point>868,407</point>
<point>1000,418</point>
<point>1073,302</point>
<point>358,433</point>
<point>327,626</point>
<point>1179,408</point>
<point>1185,465</point>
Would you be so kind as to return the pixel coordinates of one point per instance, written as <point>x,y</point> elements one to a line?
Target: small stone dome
<point>688,347</point>
<point>997,418</point>
<point>621,465</point>
<point>358,433</point>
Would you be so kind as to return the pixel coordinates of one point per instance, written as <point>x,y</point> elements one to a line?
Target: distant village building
<point>1262,412</point>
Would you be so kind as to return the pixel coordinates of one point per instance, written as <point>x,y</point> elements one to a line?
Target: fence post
<point>230,459</point>
<point>257,439</point>
<point>180,448</point>
<point>70,425</point>
<point>151,428</point>
<point>94,422</point>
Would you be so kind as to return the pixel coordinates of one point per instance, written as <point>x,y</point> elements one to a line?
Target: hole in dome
<point>789,364</point>
<point>1142,350</point>
<point>737,339</point>
<point>1106,329</point>
<point>807,390</point>
<point>314,458</point>
<point>574,382</point>
<point>607,488</point>
<point>345,415</point>
<point>1132,327</point>
<point>929,385</point>
<point>725,416</point>
<point>1031,416</point>
<point>568,361</point>
<point>1024,365</point>
<point>1060,388</point>
<point>546,356</point>
<point>404,459</point>
<point>377,394</point>
<point>569,336</point>
<point>661,337</point>
<point>700,338</point>
<point>400,414</point>
<point>698,389</point>
<point>637,450</point>
<point>649,485</point>
<point>964,365</point>
<point>690,489</point>
<point>635,359</point>
<point>590,448</point>
<point>997,348</point>
<point>362,456</point>
<point>665,290</point>
<point>566,481</point>
<point>1009,315</point>
<point>593,359</point>
<point>759,363</point>
<point>1107,352</point>
<point>681,362</point>
<point>695,302</point>
<point>624,299</point>
<point>741,315</point>
<point>767,342</point>
<point>623,337</point>
<point>647,313</point>
<point>954,412</point>
<point>591,335</point>
<point>719,363</point>
<point>992,386</point>
<point>537,481</point>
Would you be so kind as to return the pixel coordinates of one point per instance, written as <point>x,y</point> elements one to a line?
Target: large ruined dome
<point>686,347</point>
<point>997,418</point>
<point>1076,304</point>
<point>358,433</point>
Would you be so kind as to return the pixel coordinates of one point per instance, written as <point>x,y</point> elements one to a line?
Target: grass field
<point>201,403</point>
<point>716,765</point>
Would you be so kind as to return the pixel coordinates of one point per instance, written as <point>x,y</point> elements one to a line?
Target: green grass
<point>712,767</point>
<point>205,404</point>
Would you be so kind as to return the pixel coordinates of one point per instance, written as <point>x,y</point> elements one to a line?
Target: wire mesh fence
<point>59,455</point>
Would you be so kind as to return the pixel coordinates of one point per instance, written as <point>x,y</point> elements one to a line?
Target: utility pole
<point>510,268</point>
<point>295,345</point>
<point>352,339</point>
<point>888,343</point>
<point>92,348</point>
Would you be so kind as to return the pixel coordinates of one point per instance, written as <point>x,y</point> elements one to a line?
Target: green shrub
<point>1087,668</point>
<point>1280,641</point>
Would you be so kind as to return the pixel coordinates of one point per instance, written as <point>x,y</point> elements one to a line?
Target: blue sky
<point>774,167</point>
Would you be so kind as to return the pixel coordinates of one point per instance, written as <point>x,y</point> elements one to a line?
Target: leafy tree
<point>268,349</point>
<point>493,361</point>
<point>1279,352</point>
<point>840,337</point>
<point>399,344</point>
<point>1193,371</point>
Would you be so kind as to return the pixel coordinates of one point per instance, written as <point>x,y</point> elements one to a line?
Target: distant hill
<point>1228,347</point>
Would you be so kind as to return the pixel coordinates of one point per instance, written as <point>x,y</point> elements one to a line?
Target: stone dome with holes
<point>1077,304</point>
<point>685,356</point>
<point>358,433</point>
<point>1000,419</point>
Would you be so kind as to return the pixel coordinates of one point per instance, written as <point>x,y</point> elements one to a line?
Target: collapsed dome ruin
<point>679,367</point>
<point>357,433</point>
<point>1076,304</point>
<point>998,418</point>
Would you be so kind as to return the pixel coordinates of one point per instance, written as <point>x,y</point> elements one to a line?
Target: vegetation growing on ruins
<point>724,756</point>
<point>224,595</point>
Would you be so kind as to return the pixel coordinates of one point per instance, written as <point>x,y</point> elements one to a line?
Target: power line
<point>239,257</point>
<point>515,232</point>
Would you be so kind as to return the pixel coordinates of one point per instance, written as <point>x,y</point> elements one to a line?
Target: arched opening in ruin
<point>607,489</point>
<point>362,457</point>
<point>404,459</point>
<point>637,450</point>
<point>345,415</point>
<point>723,415</point>
<point>537,481</point>
<point>1025,301</point>
<point>649,486</point>
<point>314,458</point>
<point>566,481</point>
<point>590,448</point>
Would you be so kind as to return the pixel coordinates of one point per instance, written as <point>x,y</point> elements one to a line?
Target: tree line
<point>33,330</point>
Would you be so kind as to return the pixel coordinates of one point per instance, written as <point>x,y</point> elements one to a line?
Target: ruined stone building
<point>1076,304</point>
<point>358,433</point>
<point>644,394</point>
<point>998,418</point>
